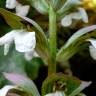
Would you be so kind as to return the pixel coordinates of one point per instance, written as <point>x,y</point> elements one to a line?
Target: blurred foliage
<point>16,63</point>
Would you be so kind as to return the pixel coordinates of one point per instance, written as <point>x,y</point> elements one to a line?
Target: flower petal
<point>93,42</point>
<point>10,4</point>
<point>4,90</point>
<point>25,41</point>
<point>83,14</point>
<point>66,21</point>
<point>22,10</point>
<point>8,38</point>
<point>76,16</point>
<point>6,48</point>
<point>92,51</point>
<point>23,82</point>
<point>58,93</point>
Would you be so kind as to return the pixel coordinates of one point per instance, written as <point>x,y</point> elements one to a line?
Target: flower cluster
<point>25,41</point>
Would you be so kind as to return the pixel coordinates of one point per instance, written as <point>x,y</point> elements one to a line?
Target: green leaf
<point>68,5</point>
<point>73,40</point>
<point>13,20</point>
<point>32,67</point>
<point>24,82</point>
<point>13,62</point>
<point>42,47</point>
<point>40,5</point>
<point>55,3</point>
<point>70,83</point>
<point>82,86</point>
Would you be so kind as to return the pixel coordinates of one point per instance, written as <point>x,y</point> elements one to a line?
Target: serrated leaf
<point>13,20</point>
<point>73,40</point>
<point>24,82</point>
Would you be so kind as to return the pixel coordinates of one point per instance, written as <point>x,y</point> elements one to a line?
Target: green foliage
<point>15,63</point>
<point>23,82</point>
<point>69,83</point>
<point>72,43</point>
<point>11,19</point>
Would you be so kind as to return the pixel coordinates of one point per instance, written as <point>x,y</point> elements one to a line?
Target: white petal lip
<point>7,38</point>
<point>4,90</point>
<point>92,51</point>
<point>92,48</point>
<point>57,93</point>
<point>24,41</point>
<point>66,21</point>
<point>10,4</point>
<point>6,48</point>
<point>80,15</point>
<point>83,14</point>
<point>22,10</point>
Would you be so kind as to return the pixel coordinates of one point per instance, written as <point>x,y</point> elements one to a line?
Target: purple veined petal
<point>66,21</point>
<point>22,10</point>
<point>25,41</point>
<point>11,4</point>
<point>4,90</point>
<point>24,82</point>
<point>92,51</point>
<point>83,15</point>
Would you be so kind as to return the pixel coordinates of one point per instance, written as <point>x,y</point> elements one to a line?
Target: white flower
<point>24,41</point>
<point>93,42</point>
<point>21,10</point>
<point>57,93</point>
<point>4,91</point>
<point>92,48</point>
<point>80,15</point>
<point>10,4</point>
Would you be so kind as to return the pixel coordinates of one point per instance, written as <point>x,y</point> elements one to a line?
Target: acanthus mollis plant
<point>35,43</point>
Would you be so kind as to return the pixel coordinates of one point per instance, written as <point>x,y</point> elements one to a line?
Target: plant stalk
<point>52,41</point>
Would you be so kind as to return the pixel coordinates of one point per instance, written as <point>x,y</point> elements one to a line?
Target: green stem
<point>52,40</point>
